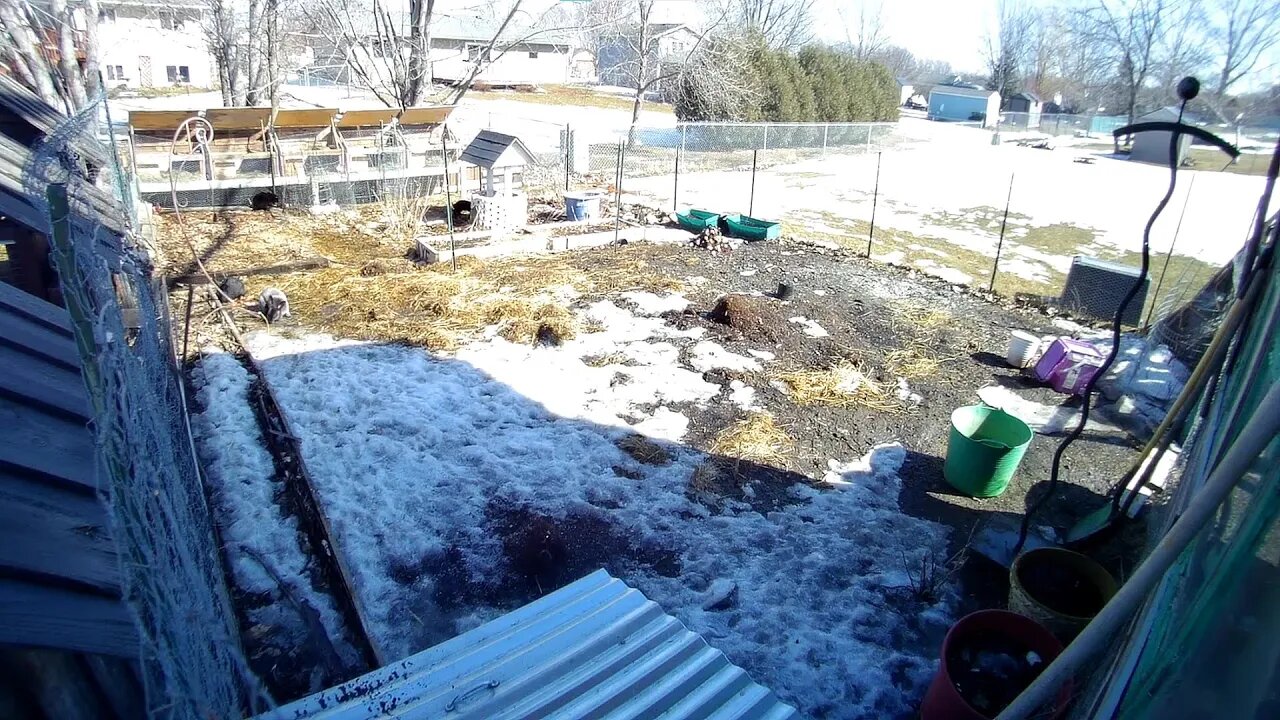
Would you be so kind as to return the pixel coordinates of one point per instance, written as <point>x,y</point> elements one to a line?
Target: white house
<point>154,43</point>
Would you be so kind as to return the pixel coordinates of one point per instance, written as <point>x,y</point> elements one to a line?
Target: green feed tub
<point>985,448</point>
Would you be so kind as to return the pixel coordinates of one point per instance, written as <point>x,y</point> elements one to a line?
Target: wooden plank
<point>51,386</point>
<point>366,118</point>
<point>237,118</point>
<point>304,118</point>
<point>56,682</point>
<point>433,115</point>
<point>22,303</point>
<point>119,684</point>
<point>159,119</point>
<point>42,616</point>
<point>49,530</point>
<point>36,441</point>
<point>38,341</point>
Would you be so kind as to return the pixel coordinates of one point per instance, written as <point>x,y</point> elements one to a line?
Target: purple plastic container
<point>1068,365</point>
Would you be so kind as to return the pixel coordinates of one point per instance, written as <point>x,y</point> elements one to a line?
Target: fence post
<point>991,287</point>
<point>875,197</point>
<point>825,128</point>
<point>617,187</point>
<point>448,199</point>
<point>869,142</point>
<point>568,153</point>
<point>751,205</point>
<point>765,143</point>
<point>675,191</point>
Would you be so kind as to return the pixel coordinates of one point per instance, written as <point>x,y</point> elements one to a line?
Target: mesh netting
<point>146,472</point>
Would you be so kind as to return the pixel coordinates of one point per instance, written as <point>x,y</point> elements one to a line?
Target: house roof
<point>489,146</point>
<point>961,91</point>
<point>593,648</point>
<point>1025,95</point>
<point>482,29</point>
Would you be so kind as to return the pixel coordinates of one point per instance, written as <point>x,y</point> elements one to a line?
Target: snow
<point>810,327</point>
<point>707,355</point>
<point>762,355</point>
<point>241,476</point>
<point>742,395</point>
<point>413,454</point>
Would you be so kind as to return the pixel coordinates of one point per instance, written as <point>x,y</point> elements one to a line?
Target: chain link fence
<point>147,474</point>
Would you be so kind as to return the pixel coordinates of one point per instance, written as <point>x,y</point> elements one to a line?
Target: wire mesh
<point>146,471</point>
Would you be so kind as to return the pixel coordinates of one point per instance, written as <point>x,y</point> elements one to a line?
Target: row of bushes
<point>818,84</point>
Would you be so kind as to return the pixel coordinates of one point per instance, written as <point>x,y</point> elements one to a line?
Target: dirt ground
<point>871,311</point>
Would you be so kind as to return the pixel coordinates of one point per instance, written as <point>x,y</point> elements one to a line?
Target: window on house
<point>115,72</point>
<point>475,52</point>
<point>533,54</point>
<point>178,73</point>
<point>107,15</point>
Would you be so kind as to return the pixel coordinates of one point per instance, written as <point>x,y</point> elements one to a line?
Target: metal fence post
<point>675,191</point>
<point>765,143</point>
<point>875,197</point>
<point>568,153</point>
<point>751,205</point>
<point>617,186</point>
<point>991,287</point>
<point>869,140</point>
<point>825,128</point>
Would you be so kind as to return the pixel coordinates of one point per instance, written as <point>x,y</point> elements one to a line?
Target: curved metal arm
<point>1180,129</point>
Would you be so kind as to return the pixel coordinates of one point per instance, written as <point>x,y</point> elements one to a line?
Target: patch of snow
<point>942,272</point>
<point>707,355</point>
<point>748,273</point>
<point>810,327</point>
<point>762,354</point>
<point>412,453</point>
<point>905,394</point>
<point>820,293</point>
<point>244,489</point>
<point>742,395</point>
<point>651,304</point>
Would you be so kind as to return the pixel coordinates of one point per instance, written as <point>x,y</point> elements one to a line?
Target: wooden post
<point>1000,244</point>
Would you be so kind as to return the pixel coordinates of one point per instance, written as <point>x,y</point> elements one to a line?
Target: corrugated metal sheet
<point>594,649</point>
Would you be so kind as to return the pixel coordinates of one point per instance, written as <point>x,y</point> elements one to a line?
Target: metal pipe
<point>617,202</point>
<point>568,154</point>
<point>875,196</point>
<point>675,191</point>
<point>991,287</point>
<point>751,204</point>
<point>1261,429</point>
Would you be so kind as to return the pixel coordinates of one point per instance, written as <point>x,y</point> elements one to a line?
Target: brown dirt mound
<point>643,450</point>
<point>755,318</point>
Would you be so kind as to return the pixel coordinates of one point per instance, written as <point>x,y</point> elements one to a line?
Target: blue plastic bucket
<point>584,205</point>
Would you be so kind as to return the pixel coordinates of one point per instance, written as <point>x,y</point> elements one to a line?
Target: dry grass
<point>439,308</point>
<point>913,363</point>
<point>844,385</point>
<point>923,318</point>
<point>643,450</point>
<point>758,438</point>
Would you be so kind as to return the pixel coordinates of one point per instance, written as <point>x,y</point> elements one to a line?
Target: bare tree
<point>1129,31</point>
<point>1242,33</point>
<point>784,24</point>
<point>865,34</point>
<point>54,73</point>
<point>222,35</point>
<point>1182,50</point>
<point>1007,48</point>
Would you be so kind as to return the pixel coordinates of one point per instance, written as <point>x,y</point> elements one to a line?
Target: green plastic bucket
<point>984,450</point>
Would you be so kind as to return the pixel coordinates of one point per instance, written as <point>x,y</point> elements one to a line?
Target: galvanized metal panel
<point>593,649</point>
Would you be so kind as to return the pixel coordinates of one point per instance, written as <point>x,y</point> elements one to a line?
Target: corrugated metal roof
<point>961,91</point>
<point>594,649</point>
<point>488,146</point>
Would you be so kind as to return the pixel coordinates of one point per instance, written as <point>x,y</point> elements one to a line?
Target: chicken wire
<point>172,579</point>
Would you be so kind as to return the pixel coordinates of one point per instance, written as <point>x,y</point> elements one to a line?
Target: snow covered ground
<point>950,184</point>
<point>247,508</point>
<point>421,460</point>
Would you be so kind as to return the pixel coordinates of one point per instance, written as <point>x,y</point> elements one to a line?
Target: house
<point>154,43</point>
<point>522,56</point>
<point>1152,146</point>
<point>617,56</point>
<point>952,103</point>
<point>1025,108</point>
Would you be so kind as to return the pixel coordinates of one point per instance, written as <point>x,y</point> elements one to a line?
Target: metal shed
<point>595,648</point>
<point>1152,146</point>
<point>964,104</point>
